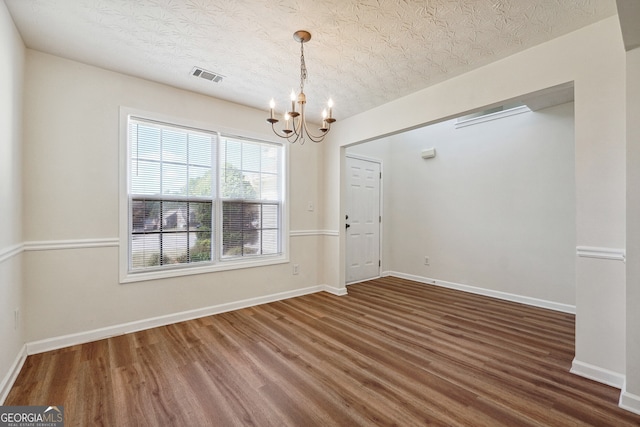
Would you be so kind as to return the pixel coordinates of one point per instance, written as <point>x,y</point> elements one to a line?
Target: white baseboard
<point>629,401</point>
<point>12,375</point>
<point>556,306</point>
<point>55,343</point>
<point>335,291</point>
<point>596,373</point>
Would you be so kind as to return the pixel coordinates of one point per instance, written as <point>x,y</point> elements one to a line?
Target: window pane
<point>251,157</point>
<point>200,149</point>
<point>147,144</point>
<point>174,248</point>
<point>145,177</point>
<point>251,187</point>
<point>174,216</point>
<point>232,154</point>
<point>270,242</point>
<point>269,187</point>
<point>200,181</point>
<point>270,217</point>
<point>145,250</point>
<point>200,247</point>
<point>200,216</point>
<point>174,179</point>
<point>236,186</point>
<point>270,159</point>
<point>145,216</point>
<point>174,146</point>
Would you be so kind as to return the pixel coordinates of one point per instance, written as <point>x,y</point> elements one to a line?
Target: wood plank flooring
<point>392,352</point>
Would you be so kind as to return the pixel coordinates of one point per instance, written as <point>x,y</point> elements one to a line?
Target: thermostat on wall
<point>428,153</point>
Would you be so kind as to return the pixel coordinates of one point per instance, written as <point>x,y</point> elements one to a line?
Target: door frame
<point>380,207</point>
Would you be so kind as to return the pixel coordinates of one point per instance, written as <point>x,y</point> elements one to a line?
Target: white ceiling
<point>362,53</point>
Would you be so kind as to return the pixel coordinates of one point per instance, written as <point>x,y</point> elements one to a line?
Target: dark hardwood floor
<point>392,352</point>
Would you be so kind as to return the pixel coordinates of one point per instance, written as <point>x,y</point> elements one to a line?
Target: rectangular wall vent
<point>207,75</point>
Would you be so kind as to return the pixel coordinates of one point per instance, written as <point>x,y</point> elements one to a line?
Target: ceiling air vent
<point>207,75</point>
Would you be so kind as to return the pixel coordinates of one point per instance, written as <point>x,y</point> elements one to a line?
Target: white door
<point>362,220</point>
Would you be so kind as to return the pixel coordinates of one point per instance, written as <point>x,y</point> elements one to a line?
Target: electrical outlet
<point>426,260</point>
<point>296,269</point>
<point>310,206</point>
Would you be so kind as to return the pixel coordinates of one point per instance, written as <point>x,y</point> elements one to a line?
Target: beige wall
<point>633,232</point>
<point>592,58</point>
<point>71,194</point>
<point>11,80</point>
<point>495,209</point>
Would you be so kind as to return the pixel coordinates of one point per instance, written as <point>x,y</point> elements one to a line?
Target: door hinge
<point>380,219</point>
<point>380,175</point>
<point>379,263</point>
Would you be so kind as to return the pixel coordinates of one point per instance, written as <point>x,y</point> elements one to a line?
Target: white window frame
<point>219,263</point>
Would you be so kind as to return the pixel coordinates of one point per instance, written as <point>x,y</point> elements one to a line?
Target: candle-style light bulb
<point>330,104</point>
<point>293,100</point>
<point>272,105</point>
<point>286,120</point>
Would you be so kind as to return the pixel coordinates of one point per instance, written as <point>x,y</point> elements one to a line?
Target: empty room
<point>451,237</point>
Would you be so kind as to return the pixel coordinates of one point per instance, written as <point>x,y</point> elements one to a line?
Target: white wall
<point>71,194</point>
<point>593,58</point>
<point>11,84</point>
<point>495,208</point>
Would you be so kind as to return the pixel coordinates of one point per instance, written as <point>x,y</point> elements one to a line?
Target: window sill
<point>227,265</point>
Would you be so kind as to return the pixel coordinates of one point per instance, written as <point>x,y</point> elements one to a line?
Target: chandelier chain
<point>303,67</point>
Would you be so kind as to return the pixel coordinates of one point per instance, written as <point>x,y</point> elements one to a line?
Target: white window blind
<point>178,193</point>
<point>171,195</point>
<point>251,196</point>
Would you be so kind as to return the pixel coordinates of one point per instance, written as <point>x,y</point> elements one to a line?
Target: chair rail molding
<point>614,254</point>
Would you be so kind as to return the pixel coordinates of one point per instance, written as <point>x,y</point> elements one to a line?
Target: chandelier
<point>295,126</point>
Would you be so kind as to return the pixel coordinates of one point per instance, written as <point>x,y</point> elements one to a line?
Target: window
<point>250,187</point>
<point>199,198</point>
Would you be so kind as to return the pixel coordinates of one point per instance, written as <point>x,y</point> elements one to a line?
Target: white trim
<point>596,373</point>
<point>48,245</point>
<point>601,253</point>
<point>535,302</point>
<point>335,291</point>
<point>364,280</point>
<point>12,375</point>
<point>55,343</point>
<point>190,270</point>
<point>629,401</point>
<point>365,158</point>
<point>493,116</point>
<point>299,233</point>
<point>10,252</point>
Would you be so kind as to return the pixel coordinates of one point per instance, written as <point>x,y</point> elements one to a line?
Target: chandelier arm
<point>314,138</point>
<point>283,135</point>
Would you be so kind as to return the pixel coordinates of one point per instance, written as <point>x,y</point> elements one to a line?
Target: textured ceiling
<point>362,53</point>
